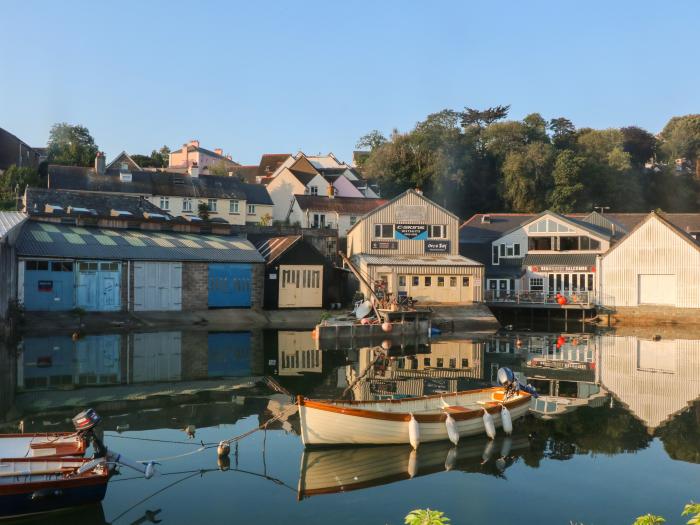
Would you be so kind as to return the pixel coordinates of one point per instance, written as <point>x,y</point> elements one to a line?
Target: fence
<point>582,298</point>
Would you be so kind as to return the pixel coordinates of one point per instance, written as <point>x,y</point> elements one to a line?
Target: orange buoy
<point>387,327</point>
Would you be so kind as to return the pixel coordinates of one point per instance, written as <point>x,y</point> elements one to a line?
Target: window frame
<point>164,203</point>
<point>234,206</point>
<point>212,205</point>
<point>251,209</point>
<point>380,228</point>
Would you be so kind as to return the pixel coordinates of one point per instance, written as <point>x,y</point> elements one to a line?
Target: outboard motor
<point>510,383</point>
<point>84,424</point>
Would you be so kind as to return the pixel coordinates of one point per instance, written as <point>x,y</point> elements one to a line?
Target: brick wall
<point>195,355</point>
<point>195,286</point>
<point>258,285</point>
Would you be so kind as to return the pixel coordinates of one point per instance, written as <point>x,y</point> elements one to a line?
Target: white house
<point>338,213</point>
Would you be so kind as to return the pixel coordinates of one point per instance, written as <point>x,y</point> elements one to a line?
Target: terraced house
<point>227,199</point>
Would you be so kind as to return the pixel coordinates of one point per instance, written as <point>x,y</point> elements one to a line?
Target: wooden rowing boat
<point>345,469</point>
<point>37,485</point>
<point>387,422</point>
<point>44,445</point>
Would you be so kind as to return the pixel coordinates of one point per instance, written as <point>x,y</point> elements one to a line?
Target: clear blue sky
<point>262,77</point>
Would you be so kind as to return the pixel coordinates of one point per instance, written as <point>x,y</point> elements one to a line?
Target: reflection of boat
<point>388,422</point>
<point>329,471</point>
<point>41,445</point>
<point>33,485</point>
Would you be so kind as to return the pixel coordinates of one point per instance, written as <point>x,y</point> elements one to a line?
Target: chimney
<point>331,191</point>
<point>219,152</point>
<point>419,191</point>
<point>229,157</point>
<point>100,163</point>
<point>194,143</point>
<point>193,170</point>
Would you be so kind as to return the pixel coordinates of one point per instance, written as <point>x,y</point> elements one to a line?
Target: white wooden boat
<point>388,422</point>
<point>345,469</point>
<point>43,445</point>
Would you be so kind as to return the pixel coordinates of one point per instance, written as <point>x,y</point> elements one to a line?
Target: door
<point>657,289</point>
<point>157,286</point>
<point>229,354</point>
<point>157,356</point>
<point>98,286</point>
<point>300,286</point>
<point>48,285</point>
<point>230,285</point>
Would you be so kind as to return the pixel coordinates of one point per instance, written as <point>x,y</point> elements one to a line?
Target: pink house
<point>192,153</point>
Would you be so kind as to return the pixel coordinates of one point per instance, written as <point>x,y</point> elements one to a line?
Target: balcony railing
<point>582,298</point>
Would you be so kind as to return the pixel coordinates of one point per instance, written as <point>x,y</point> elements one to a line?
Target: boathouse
<point>295,272</point>
<point>10,226</point>
<point>409,247</point>
<point>62,267</point>
<point>656,264</point>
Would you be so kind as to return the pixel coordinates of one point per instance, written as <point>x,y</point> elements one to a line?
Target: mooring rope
<point>380,353</point>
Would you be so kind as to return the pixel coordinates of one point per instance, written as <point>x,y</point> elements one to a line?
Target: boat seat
<point>457,410</point>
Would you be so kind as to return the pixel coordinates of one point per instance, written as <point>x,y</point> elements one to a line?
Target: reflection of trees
<point>595,430</point>
<point>681,436</point>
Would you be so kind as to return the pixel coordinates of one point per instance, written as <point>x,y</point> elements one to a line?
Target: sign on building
<point>385,245</point>
<point>411,232</point>
<point>410,213</point>
<point>437,246</point>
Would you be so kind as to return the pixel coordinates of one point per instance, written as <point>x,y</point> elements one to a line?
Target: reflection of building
<point>297,354</point>
<point>656,380</point>
<point>448,366</point>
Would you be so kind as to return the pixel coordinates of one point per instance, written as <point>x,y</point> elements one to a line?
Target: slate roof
<point>10,220</point>
<point>38,239</point>
<point>344,205</point>
<point>247,173</point>
<point>506,268</point>
<point>192,147</point>
<point>559,259</point>
<point>272,248</point>
<point>303,176</point>
<point>146,183</point>
<point>257,194</point>
<point>102,203</point>
<point>269,162</point>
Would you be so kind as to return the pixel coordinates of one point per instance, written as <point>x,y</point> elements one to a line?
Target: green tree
<point>371,140</point>
<point>71,145</point>
<point>563,132</point>
<point>203,211</point>
<point>13,182</point>
<point>568,191</point>
<point>221,169</point>
<point>681,139</point>
<point>639,143</point>
<point>526,177</point>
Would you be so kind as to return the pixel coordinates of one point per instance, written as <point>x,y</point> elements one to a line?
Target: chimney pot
<point>219,152</point>
<point>194,143</point>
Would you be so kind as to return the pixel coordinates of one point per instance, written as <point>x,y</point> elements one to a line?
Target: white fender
<point>414,432</point>
<point>488,451</point>
<point>150,470</point>
<point>452,431</point>
<point>451,459</point>
<point>506,446</point>
<point>506,420</point>
<point>413,463</point>
<point>501,464</point>
<point>489,426</point>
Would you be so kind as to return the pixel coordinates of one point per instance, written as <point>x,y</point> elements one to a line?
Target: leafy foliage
<point>203,211</point>
<point>13,182</point>
<point>157,158</point>
<point>71,145</point>
<point>693,510</point>
<point>426,517</point>
<point>649,519</point>
<point>479,160</point>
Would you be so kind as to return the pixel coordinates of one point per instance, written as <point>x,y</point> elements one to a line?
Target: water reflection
<point>601,395</point>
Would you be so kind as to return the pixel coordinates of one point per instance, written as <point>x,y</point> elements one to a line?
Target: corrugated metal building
<point>410,246</point>
<point>62,267</point>
<point>10,226</point>
<point>656,380</point>
<point>657,263</point>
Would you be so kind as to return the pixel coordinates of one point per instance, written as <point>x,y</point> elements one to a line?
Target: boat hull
<point>45,445</point>
<point>342,424</point>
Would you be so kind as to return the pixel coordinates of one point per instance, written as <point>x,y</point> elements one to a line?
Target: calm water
<point>615,434</point>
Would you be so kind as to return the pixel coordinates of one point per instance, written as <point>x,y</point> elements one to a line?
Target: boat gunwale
<point>523,397</point>
<point>78,480</point>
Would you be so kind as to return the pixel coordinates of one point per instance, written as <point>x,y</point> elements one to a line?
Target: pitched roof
<point>38,239</point>
<point>10,220</point>
<point>257,194</point>
<point>559,259</point>
<point>346,205</point>
<point>487,227</point>
<point>127,158</point>
<point>303,176</point>
<point>192,147</point>
<point>269,162</point>
<point>272,248</point>
<point>146,183</point>
<point>36,200</point>
<point>246,173</point>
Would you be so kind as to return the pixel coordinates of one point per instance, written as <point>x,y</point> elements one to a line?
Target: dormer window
<point>313,190</point>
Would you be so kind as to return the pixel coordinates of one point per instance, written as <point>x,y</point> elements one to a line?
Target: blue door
<point>229,354</point>
<point>229,285</point>
<point>48,285</point>
<point>97,286</point>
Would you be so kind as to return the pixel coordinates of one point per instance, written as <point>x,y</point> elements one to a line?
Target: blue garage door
<point>229,285</point>
<point>48,285</point>
<point>229,354</point>
<point>98,286</point>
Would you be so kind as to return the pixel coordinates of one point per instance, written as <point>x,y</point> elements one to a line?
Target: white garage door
<point>300,286</point>
<point>157,356</point>
<point>157,286</point>
<point>657,288</point>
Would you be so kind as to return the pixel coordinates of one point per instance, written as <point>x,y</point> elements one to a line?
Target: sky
<point>260,77</point>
